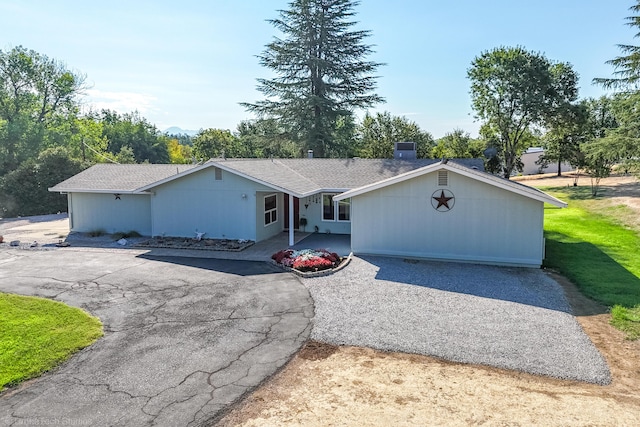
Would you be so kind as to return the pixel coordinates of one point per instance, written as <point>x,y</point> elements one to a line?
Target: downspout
<point>70,209</point>
<point>291,224</point>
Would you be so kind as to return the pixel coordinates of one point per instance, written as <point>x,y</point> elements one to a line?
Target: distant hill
<point>175,130</point>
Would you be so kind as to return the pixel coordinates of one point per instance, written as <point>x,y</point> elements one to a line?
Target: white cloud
<point>122,102</point>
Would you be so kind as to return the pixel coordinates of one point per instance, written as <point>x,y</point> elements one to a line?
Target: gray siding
<point>91,211</point>
<point>486,224</point>
<point>221,208</point>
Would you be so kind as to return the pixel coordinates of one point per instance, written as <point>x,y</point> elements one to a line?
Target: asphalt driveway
<point>184,337</point>
<point>514,318</point>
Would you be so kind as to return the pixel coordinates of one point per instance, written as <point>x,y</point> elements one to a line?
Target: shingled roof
<point>112,178</point>
<point>303,177</point>
<point>300,177</point>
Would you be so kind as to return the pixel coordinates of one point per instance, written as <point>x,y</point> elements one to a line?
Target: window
<point>270,209</point>
<point>328,213</point>
<point>344,210</point>
<point>331,210</point>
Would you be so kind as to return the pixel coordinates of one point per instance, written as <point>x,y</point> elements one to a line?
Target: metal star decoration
<point>443,201</point>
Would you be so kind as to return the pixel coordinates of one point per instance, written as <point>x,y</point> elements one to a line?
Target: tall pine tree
<point>627,66</point>
<point>322,73</point>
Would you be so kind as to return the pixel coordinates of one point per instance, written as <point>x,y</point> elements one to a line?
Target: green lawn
<point>593,245</point>
<point>37,334</point>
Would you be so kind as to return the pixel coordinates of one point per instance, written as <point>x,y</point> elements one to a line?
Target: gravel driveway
<point>504,317</point>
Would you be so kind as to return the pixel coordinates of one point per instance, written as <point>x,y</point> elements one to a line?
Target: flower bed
<point>307,259</point>
<point>202,244</point>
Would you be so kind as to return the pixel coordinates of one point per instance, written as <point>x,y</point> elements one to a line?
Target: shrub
<point>24,191</point>
<point>97,232</point>
<point>125,235</point>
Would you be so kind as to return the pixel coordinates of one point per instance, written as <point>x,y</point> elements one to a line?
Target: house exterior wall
<point>200,202</point>
<point>313,214</point>
<point>486,224</point>
<point>92,211</point>
<point>264,232</point>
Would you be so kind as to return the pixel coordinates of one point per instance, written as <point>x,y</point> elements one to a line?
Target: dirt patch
<point>43,229</point>
<point>329,385</point>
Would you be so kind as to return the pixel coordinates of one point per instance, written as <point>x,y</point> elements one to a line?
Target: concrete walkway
<point>184,337</point>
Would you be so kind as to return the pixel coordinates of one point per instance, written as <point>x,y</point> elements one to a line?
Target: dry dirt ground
<point>344,386</point>
<point>43,229</point>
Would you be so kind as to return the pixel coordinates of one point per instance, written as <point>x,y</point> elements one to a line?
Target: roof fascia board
<point>83,190</point>
<point>338,191</point>
<point>533,194</point>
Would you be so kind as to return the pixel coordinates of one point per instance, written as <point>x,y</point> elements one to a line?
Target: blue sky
<point>190,63</point>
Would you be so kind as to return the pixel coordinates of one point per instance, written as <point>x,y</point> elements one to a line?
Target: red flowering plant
<point>307,259</point>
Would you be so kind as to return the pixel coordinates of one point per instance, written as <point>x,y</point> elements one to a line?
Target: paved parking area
<point>184,337</point>
<point>514,318</point>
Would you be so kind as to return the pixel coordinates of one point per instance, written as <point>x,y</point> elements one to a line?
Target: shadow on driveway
<point>519,285</point>
<point>238,268</point>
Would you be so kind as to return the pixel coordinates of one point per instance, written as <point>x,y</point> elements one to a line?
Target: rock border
<point>145,244</point>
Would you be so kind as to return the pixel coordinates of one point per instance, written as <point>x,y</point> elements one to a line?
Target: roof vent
<point>443,178</point>
<point>405,151</point>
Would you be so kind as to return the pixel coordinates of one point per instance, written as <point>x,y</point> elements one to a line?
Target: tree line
<point>323,78</point>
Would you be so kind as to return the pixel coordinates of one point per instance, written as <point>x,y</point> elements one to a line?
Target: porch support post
<point>291,223</point>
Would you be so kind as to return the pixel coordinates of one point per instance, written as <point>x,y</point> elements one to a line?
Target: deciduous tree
<point>135,132</point>
<point>458,144</point>
<point>24,191</point>
<point>379,133</point>
<point>33,90</point>
<point>216,143</point>
<point>566,130</point>
<point>513,89</point>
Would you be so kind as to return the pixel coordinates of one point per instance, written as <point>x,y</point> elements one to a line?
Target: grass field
<point>595,245</point>
<point>37,334</point>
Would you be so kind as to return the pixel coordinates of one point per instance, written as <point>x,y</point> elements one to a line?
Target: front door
<point>296,212</point>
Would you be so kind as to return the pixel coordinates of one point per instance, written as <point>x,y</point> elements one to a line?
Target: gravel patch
<point>511,318</point>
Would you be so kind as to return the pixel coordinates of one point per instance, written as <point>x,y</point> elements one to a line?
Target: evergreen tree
<point>322,72</point>
<point>627,66</point>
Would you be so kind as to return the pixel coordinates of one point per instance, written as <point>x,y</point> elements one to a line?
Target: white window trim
<point>264,201</point>
<point>336,211</point>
